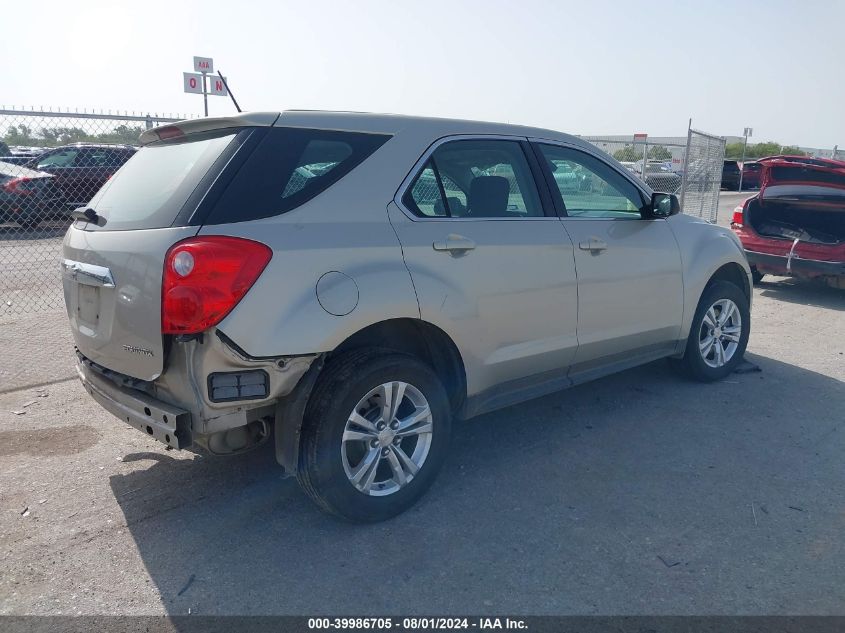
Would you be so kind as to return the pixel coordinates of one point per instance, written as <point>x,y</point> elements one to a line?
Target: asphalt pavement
<point>640,493</point>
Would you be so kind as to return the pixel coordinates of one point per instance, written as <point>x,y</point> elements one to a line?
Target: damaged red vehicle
<point>795,225</point>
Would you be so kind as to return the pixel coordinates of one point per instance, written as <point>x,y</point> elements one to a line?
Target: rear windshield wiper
<point>87,215</point>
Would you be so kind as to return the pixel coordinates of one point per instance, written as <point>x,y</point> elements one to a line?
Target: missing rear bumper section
<point>168,424</point>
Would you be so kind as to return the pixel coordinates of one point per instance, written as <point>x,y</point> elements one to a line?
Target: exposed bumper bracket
<point>168,424</point>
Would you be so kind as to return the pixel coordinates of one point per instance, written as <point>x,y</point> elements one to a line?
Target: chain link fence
<point>690,167</point>
<point>52,163</point>
<point>705,156</point>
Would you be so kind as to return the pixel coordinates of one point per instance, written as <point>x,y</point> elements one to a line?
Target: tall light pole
<point>746,132</point>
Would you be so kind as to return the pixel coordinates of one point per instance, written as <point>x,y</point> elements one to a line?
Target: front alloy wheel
<point>720,332</point>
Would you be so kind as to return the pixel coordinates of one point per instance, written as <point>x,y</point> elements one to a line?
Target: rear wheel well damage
<point>411,336</point>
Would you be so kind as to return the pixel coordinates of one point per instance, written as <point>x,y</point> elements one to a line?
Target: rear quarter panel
<point>343,229</point>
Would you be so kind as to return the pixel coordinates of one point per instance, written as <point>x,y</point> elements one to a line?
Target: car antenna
<point>229,90</point>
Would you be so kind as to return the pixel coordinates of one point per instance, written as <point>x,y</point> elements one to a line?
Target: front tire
<point>375,435</point>
<point>719,333</point>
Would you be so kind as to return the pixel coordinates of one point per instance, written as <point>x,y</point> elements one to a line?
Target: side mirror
<point>663,205</point>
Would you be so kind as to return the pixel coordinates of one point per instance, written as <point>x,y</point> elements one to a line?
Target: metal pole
<point>744,143</point>
<point>229,90</point>
<point>204,95</point>
<point>685,178</point>
<point>645,157</point>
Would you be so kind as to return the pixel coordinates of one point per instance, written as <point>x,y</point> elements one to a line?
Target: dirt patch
<point>65,440</point>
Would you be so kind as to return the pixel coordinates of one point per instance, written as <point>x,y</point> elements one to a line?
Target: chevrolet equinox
<point>348,284</point>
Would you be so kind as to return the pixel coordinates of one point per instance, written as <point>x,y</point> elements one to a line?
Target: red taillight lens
<point>18,187</point>
<point>204,278</point>
<point>736,221</point>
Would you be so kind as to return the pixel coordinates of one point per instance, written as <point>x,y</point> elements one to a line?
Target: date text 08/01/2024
<point>415,624</point>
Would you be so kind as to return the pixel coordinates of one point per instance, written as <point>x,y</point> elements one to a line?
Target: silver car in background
<point>348,284</point>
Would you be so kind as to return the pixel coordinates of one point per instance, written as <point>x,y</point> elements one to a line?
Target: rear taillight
<point>169,131</point>
<point>736,221</point>
<point>18,186</point>
<point>204,278</point>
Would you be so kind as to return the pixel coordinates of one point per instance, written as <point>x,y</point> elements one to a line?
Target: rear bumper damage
<point>205,395</point>
<point>164,422</point>
<point>793,265</point>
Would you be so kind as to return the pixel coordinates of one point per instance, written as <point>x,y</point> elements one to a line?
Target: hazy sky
<point>588,67</point>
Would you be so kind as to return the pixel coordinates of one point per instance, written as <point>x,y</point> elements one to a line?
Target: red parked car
<point>795,225</point>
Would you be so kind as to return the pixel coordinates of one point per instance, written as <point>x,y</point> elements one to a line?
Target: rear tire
<point>756,275</point>
<point>719,333</point>
<point>353,462</point>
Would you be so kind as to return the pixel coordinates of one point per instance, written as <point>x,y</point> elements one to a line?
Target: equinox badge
<point>134,349</point>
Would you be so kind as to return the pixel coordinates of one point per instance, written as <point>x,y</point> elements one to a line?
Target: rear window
<point>289,167</point>
<point>148,192</point>
<point>807,175</point>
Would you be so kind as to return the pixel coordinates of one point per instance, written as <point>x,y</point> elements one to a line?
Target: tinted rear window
<point>150,189</point>
<point>808,175</point>
<point>289,167</point>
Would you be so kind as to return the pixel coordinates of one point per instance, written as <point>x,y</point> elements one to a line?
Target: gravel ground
<point>641,493</point>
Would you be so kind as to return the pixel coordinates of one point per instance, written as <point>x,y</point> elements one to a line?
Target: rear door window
<point>475,179</point>
<point>289,167</point>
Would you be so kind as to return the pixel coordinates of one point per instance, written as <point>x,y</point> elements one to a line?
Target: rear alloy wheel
<point>375,435</point>
<point>380,458</point>
<point>719,333</point>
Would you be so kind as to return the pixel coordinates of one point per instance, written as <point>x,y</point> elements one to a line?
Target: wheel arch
<point>419,338</point>
<point>732,273</point>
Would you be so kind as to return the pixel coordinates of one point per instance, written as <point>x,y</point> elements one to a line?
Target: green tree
<point>121,134</point>
<point>629,153</point>
<point>64,135</point>
<point>20,135</point>
<point>760,150</point>
<point>658,152</point>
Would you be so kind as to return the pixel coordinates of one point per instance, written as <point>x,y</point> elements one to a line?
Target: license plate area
<point>88,304</point>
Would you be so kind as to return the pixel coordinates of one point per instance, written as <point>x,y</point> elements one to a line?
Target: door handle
<point>594,244</point>
<point>454,244</point>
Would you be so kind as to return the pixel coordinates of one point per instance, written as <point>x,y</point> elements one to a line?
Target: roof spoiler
<point>195,126</point>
